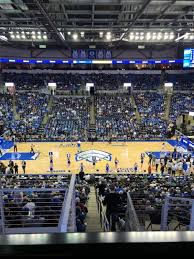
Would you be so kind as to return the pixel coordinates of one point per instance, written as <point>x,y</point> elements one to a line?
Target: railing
<point>37,204</point>
<point>102,212</point>
<point>132,221</point>
<point>179,210</point>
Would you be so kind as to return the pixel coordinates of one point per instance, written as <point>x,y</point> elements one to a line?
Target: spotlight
<point>101,34</point>
<point>186,37</point>
<point>39,32</point>
<point>191,37</point>
<point>33,32</point>
<point>141,37</point>
<point>45,37</point>
<point>171,36</point>
<point>131,37</point>
<point>82,34</point>
<point>68,33</point>
<point>18,36</point>
<point>154,36</point>
<point>34,37</point>
<point>166,36</point>
<point>75,36</point>
<point>137,37</point>
<point>39,37</point>
<point>108,35</point>
<point>159,36</point>
<point>148,36</point>
<point>23,36</point>
<point>12,36</point>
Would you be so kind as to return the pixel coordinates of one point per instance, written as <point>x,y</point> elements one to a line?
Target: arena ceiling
<point>116,21</point>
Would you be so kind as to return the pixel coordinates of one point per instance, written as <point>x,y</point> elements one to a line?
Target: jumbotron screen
<point>188,58</point>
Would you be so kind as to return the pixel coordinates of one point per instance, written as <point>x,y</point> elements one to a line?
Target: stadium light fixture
<point>23,36</point>
<point>101,34</point>
<point>45,37</point>
<point>172,36</point>
<point>68,33</point>
<point>148,36</point>
<point>108,35</point>
<point>154,36</point>
<point>18,36</point>
<point>33,37</point>
<point>82,34</point>
<point>4,38</point>
<point>166,36</point>
<point>159,36</point>
<point>39,37</point>
<point>75,36</point>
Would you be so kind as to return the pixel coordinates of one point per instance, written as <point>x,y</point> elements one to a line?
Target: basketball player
<point>79,146</point>
<point>51,164</point>
<point>15,147</point>
<point>68,159</point>
<point>81,167</point>
<point>116,162</point>
<point>24,166</point>
<point>107,168</point>
<point>135,168</point>
<point>32,149</point>
<point>94,161</point>
<point>142,159</point>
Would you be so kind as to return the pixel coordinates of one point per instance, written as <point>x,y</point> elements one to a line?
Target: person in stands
<point>112,200</point>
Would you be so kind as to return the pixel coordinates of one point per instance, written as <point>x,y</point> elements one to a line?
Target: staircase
<point>46,117</point>
<point>167,103</point>
<point>15,114</point>
<point>162,79</point>
<point>93,218</point>
<point>137,115</point>
<point>49,109</point>
<point>92,128</point>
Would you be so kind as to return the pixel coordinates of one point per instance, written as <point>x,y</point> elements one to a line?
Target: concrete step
<point>93,218</point>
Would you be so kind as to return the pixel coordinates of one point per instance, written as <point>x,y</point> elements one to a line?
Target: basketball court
<point>127,153</point>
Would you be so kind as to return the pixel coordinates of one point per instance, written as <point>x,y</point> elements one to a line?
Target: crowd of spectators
<point>147,192</point>
<point>115,117</point>
<point>151,109</point>
<point>75,81</point>
<point>181,103</point>
<point>69,119</point>
<point>181,81</point>
<point>36,200</point>
<point>29,200</point>
<point>82,191</point>
<point>6,109</point>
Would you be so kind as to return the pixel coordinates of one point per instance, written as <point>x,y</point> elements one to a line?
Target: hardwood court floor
<point>127,154</point>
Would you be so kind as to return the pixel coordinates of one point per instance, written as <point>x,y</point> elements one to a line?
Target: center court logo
<point>89,154</point>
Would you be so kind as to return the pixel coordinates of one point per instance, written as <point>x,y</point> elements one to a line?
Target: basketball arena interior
<point>96,127</point>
